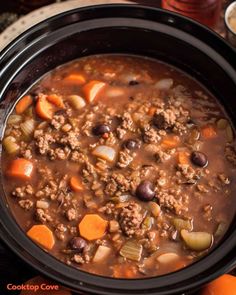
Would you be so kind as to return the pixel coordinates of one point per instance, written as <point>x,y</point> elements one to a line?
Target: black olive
<point>78,244</point>
<point>159,121</point>
<point>132,144</point>
<point>199,159</point>
<point>101,129</point>
<point>145,191</point>
<point>133,83</point>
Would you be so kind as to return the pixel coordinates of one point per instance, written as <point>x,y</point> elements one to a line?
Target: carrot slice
<point>75,79</point>
<point>56,100</point>
<point>44,109</point>
<point>21,169</point>
<point>208,132</point>
<point>152,111</point>
<point>23,104</point>
<point>92,89</point>
<point>171,141</point>
<point>183,157</point>
<point>76,184</point>
<point>42,235</point>
<point>92,227</point>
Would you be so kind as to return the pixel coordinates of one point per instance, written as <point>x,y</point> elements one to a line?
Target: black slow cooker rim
<point>35,256</point>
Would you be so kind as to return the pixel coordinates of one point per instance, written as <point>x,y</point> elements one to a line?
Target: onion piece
<point>105,152</point>
<point>197,241</point>
<point>10,145</point>
<point>167,258</point>
<point>101,253</point>
<point>14,119</point>
<point>180,224</point>
<point>28,127</point>
<point>164,84</point>
<point>76,101</point>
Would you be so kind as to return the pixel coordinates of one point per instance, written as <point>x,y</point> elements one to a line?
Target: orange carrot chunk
<point>23,104</point>
<point>42,235</point>
<point>21,169</point>
<point>124,271</point>
<point>170,141</point>
<point>92,227</point>
<point>92,89</point>
<point>208,132</point>
<point>75,79</point>
<point>56,100</point>
<point>183,157</point>
<point>44,109</point>
<point>76,184</point>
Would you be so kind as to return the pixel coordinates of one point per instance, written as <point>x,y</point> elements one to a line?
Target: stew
<point>121,166</point>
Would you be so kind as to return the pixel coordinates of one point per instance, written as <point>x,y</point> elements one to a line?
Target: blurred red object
<point>206,12</point>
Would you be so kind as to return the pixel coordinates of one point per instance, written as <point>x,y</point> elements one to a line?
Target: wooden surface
<point>12,269</point>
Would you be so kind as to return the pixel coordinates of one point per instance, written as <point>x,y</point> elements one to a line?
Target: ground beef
<point>78,157</point>
<point>24,191</point>
<point>164,119</point>
<point>60,231</point>
<point>125,158</point>
<point>189,175</point>
<point>71,214</point>
<point>42,216</point>
<point>26,204</point>
<point>223,178</point>
<point>151,135</point>
<point>58,121</point>
<point>59,153</point>
<point>126,124</point>
<point>71,139</point>
<point>117,181</point>
<point>162,156</point>
<point>130,218</point>
<point>43,141</point>
<point>173,202</point>
<point>230,154</point>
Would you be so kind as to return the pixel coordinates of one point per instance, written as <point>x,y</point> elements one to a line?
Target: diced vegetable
<point>171,141</point>
<point>222,123</point>
<point>197,241</point>
<point>56,100</point>
<point>180,224</point>
<point>154,208</point>
<point>208,132</point>
<point>131,250</point>
<point>21,169</point>
<point>71,79</point>
<point>28,127</point>
<point>23,104</point>
<point>183,157</point>
<point>168,258</point>
<point>76,184</point>
<point>193,136</point>
<point>164,84</point>
<point>10,145</point>
<point>152,111</point>
<point>120,199</point>
<point>220,231</point>
<point>14,119</point>
<point>101,253</point>
<point>44,108</point>
<point>105,152</point>
<point>229,133</point>
<point>42,204</point>
<point>92,227</point>
<point>113,226</point>
<point>42,235</point>
<point>92,89</point>
<point>148,222</point>
<point>76,101</point>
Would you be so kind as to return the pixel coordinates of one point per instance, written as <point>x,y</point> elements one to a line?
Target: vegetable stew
<point>121,166</point>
